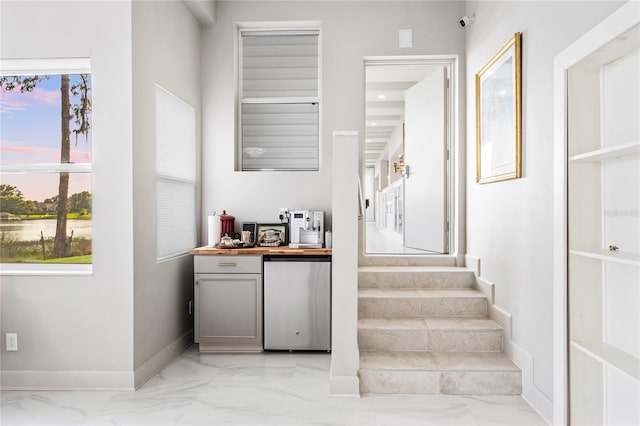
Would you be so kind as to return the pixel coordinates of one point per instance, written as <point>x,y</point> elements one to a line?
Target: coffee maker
<point>306,229</point>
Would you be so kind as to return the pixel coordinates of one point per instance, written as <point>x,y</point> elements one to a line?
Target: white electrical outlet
<point>12,341</point>
<point>283,214</point>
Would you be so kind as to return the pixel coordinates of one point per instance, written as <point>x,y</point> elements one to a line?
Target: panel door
<point>426,156</point>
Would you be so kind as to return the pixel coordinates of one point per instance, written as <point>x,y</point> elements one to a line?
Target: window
<point>175,175</point>
<point>279,100</point>
<point>46,162</point>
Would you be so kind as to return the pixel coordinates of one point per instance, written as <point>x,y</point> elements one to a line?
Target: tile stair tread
<point>419,293</point>
<point>436,361</point>
<point>410,260</point>
<point>405,268</point>
<point>387,323</point>
<point>440,324</point>
<point>462,324</point>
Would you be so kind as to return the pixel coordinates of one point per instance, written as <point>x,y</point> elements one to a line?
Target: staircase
<point>423,329</point>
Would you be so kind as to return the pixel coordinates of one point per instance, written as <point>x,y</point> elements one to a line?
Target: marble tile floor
<point>253,389</point>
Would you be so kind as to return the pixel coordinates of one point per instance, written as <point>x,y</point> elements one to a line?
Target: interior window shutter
<point>175,175</point>
<point>280,100</point>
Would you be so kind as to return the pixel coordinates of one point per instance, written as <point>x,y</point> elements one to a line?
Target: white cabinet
<point>228,303</point>
<point>603,190</point>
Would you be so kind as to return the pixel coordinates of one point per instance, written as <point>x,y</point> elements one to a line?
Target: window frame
<point>283,27</point>
<point>49,66</point>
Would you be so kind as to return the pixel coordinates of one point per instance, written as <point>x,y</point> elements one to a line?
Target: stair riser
<point>429,307</point>
<point>393,340</point>
<point>406,261</point>
<point>465,341</point>
<point>399,382</point>
<point>418,280</point>
<point>430,340</point>
<point>482,383</point>
<point>445,383</point>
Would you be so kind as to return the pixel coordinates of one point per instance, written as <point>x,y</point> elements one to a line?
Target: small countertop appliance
<point>306,229</point>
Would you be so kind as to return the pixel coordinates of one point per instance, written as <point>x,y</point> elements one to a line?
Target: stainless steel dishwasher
<point>297,302</point>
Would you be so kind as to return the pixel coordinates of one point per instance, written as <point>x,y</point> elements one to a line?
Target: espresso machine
<point>306,229</point>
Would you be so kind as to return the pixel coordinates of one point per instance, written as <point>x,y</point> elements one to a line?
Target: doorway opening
<point>409,155</point>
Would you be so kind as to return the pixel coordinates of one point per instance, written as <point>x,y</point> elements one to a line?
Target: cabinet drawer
<point>227,264</point>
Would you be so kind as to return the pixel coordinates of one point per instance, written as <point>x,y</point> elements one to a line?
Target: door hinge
<point>447,154</point>
<point>446,226</point>
<point>447,83</point>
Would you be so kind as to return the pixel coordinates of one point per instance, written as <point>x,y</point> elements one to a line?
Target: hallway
<point>386,242</point>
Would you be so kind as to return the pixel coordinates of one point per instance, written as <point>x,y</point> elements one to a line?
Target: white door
<point>425,154</point>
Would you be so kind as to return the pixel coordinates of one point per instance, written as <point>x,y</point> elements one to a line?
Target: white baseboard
<point>504,320</point>
<point>119,380</point>
<point>149,368</point>
<point>534,396</point>
<point>66,380</point>
<point>487,288</point>
<point>496,313</point>
<point>472,263</point>
<point>344,387</point>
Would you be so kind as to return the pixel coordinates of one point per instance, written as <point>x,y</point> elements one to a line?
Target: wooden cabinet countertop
<point>261,250</point>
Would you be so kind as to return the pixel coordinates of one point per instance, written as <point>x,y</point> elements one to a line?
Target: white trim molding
<point>29,66</point>
<point>530,392</point>
<point>526,362</point>
<point>160,360</point>
<point>42,380</point>
<point>624,18</point>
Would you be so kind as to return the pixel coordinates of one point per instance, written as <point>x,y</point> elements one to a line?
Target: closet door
<point>603,134</point>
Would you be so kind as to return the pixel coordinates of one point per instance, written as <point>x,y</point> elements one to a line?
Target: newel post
<point>343,380</point>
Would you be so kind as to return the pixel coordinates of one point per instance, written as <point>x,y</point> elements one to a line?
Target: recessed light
<point>381,96</point>
<point>374,123</point>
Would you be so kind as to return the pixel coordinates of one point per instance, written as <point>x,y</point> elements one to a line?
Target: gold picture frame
<point>499,115</point>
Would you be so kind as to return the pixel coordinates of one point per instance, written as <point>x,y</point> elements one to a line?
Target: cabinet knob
<point>297,332</point>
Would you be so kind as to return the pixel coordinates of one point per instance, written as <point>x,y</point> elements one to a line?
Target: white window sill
<point>44,269</point>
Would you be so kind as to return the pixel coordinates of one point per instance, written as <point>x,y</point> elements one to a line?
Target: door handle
<point>405,171</point>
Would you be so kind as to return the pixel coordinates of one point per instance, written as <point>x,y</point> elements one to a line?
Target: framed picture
<point>251,227</point>
<point>499,115</point>
<point>272,234</point>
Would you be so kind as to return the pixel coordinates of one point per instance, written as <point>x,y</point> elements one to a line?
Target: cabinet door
<point>229,310</point>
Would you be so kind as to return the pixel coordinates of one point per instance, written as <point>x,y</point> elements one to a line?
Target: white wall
<point>509,224</point>
<point>76,331</point>
<point>351,30</point>
<point>166,51</point>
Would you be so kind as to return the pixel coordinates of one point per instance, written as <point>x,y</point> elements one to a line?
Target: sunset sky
<point>30,134</point>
